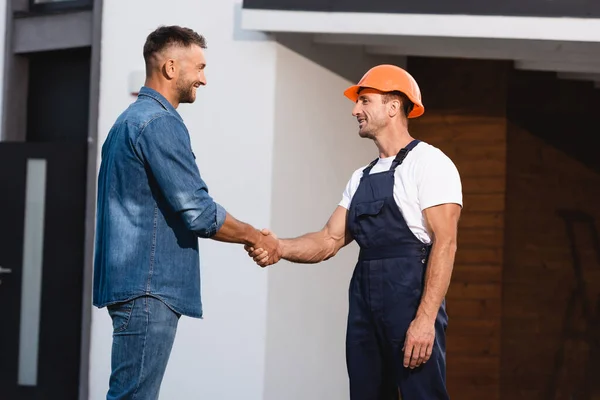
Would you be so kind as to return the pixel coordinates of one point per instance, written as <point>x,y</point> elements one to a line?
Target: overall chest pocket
<point>369,209</point>
<point>370,221</point>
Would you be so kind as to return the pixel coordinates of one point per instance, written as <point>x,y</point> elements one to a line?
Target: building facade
<point>511,93</point>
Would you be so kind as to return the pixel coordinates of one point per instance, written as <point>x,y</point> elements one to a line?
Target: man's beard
<point>368,134</point>
<point>369,131</point>
<point>185,91</point>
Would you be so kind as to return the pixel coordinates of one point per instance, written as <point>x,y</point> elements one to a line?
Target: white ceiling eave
<point>457,26</point>
<point>568,46</point>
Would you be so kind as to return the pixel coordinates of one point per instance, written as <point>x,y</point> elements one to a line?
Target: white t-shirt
<point>426,178</point>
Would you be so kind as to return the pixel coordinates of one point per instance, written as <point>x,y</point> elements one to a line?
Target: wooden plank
<point>541,274</point>
<point>535,254</point>
<point>474,327</point>
<point>531,325</point>
<point>459,365</point>
<point>493,184</point>
<point>474,392</point>
<point>476,219</point>
<point>473,308</point>
<point>449,137</point>
<point>524,293</point>
<point>489,167</point>
<point>480,237</point>
<point>546,267</point>
<point>474,346</point>
<point>481,152</point>
<point>477,273</point>
<point>484,202</point>
<point>465,290</point>
<point>475,380</point>
<point>475,133</point>
<point>476,256</point>
<point>435,117</point>
<point>532,316</point>
<point>515,392</point>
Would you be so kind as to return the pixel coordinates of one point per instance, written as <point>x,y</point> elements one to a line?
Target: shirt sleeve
<point>350,189</point>
<point>346,196</point>
<point>165,147</point>
<point>439,182</point>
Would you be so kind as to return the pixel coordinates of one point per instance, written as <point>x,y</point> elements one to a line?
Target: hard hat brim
<point>352,94</point>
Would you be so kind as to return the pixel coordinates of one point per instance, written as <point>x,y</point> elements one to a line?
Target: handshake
<point>266,250</point>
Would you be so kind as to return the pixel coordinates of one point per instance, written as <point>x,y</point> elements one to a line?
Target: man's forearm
<point>308,249</point>
<point>437,278</point>
<point>234,231</point>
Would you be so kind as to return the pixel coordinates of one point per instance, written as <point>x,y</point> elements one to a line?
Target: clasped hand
<point>267,250</point>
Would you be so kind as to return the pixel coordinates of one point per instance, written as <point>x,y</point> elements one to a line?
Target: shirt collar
<point>146,91</point>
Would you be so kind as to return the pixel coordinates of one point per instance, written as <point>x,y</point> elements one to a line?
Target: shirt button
<point>423,261</point>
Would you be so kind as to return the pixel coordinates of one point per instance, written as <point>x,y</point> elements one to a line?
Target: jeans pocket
<point>121,314</point>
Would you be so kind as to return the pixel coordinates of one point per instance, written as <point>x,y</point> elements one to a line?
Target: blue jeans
<point>143,333</point>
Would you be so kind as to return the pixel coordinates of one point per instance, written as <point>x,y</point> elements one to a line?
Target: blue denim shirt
<point>152,206</point>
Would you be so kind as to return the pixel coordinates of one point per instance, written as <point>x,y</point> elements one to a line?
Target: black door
<point>42,213</point>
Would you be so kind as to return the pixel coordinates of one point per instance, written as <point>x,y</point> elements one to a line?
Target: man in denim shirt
<point>152,207</point>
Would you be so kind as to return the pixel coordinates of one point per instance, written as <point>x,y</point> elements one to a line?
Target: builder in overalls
<point>403,210</point>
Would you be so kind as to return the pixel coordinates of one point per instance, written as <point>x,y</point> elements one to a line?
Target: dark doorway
<point>58,96</point>
<point>42,215</point>
<point>42,231</point>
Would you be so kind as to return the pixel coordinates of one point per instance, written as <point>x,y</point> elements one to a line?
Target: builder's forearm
<point>437,278</point>
<point>308,249</point>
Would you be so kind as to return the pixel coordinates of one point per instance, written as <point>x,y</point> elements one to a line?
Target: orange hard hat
<point>389,78</point>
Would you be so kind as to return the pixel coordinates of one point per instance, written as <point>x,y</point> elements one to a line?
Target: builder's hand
<point>267,254</point>
<point>418,344</point>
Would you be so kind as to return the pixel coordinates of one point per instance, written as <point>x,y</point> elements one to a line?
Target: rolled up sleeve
<point>164,146</point>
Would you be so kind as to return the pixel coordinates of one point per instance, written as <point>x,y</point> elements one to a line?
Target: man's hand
<point>267,251</point>
<point>418,344</point>
<point>310,248</point>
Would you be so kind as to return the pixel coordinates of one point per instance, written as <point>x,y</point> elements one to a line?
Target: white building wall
<point>317,148</point>
<point>276,143</point>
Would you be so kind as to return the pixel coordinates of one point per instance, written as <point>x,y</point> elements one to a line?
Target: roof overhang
<point>562,44</point>
<point>426,25</point>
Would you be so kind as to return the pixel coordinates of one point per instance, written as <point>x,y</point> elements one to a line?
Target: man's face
<point>370,112</point>
<point>191,73</point>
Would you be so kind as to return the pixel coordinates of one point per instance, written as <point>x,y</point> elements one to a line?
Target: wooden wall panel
<point>524,323</point>
<point>551,317</point>
<point>465,118</point>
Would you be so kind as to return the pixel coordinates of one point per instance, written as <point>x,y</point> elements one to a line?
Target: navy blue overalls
<point>384,294</point>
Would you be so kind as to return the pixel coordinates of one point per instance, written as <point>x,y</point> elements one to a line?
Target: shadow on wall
<point>551,275</point>
<point>564,113</point>
<point>348,61</point>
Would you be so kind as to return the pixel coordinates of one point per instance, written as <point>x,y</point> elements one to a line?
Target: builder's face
<point>370,112</point>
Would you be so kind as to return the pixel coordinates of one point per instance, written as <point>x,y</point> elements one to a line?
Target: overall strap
<point>403,153</point>
<point>368,168</point>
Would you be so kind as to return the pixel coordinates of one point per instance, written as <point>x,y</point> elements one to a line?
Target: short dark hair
<point>165,36</point>
<point>407,105</point>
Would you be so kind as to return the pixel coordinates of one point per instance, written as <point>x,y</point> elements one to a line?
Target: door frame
<point>90,209</point>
